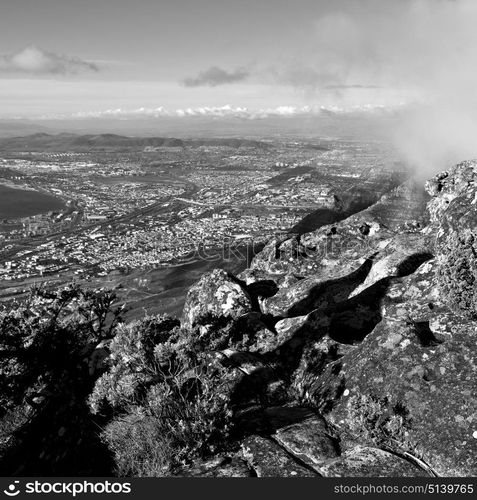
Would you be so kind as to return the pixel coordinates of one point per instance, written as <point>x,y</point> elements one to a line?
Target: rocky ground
<point>354,345</point>
<point>345,351</point>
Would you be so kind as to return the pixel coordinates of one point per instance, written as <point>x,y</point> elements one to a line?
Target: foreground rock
<point>306,448</point>
<point>310,440</point>
<point>335,249</point>
<point>454,216</point>
<point>216,295</point>
<point>410,385</point>
<point>225,466</point>
<point>368,329</point>
<point>364,461</point>
<point>269,460</point>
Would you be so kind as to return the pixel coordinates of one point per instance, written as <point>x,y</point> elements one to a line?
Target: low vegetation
<point>376,421</point>
<point>160,399</point>
<point>457,274</point>
<point>168,399</point>
<point>49,349</point>
<point>40,339</point>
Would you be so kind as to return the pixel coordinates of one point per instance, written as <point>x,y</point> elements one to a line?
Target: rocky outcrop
<point>454,226</point>
<point>356,341</point>
<point>268,459</point>
<point>401,256</point>
<point>409,386</point>
<point>334,249</point>
<point>216,295</point>
<point>364,461</point>
<point>309,440</point>
<point>220,466</point>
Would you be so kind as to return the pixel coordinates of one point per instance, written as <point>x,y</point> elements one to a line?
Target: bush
<point>49,360</point>
<point>457,273</point>
<point>132,363</point>
<point>376,421</point>
<point>43,340</point>
<point>138,444</point>
<point>168,398</point>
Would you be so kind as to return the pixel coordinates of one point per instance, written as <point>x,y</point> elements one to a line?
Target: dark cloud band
<point>215,76</point>
<point>36,61</point>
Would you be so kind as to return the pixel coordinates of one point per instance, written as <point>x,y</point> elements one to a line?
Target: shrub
<point>168,398</point>
<point>45,339</point>
<point>49,360</point>
<point>139,445</point>
<point>377,421</point>
<point>457,273</point>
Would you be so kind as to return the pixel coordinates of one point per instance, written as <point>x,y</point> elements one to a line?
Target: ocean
<point>17,203</point>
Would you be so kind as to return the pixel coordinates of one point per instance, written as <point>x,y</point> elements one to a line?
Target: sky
<point>225,57</point>
<point>243,60</point>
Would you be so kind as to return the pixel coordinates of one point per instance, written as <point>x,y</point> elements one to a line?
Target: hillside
<point>15,128</point>
<point>345,351</point>
<point>359,339</point>
<point>66,142</point>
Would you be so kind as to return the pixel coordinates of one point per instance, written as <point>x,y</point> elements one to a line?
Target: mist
<point>426,49</point>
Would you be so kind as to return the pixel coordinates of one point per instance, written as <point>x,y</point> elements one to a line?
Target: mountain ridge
<point>70,142</point>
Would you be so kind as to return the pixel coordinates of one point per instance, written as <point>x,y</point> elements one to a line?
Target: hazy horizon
<point>226,58</point>
<point>228,66</point>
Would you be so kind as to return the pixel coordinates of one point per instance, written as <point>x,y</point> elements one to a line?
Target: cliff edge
<point>350,350</point>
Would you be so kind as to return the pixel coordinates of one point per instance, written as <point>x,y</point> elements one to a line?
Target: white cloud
<point>36,61</point>
<point>226,111</point>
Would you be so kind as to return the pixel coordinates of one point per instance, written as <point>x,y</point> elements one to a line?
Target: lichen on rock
<point>216,294</point>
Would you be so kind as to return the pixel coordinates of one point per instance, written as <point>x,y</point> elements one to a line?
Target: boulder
<point>448,185</point>
<point>217,294</point>
<point>220,466</point>
<point>402,256</point>
<point>309,440</point>
<point>414,298</point>
<point>411,386</point>
<point>329,286</point>
<point>365,461</point>
<point>268,459</point>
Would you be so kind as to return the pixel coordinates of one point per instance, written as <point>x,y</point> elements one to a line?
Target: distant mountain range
<point>9,128</point>
<point>111,142</point>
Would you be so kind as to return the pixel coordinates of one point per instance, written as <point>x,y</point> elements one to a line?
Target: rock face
<point>216,295</point>
<point>357,341</point>
<point>364,461</point>
<point>410,385</point>
<point>268,459</point>
<point>338,249</point>
<point>220,466</point>
<point>412,388</point>
<point>454,221</point>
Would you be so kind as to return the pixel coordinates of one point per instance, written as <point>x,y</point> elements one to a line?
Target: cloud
<point>300,75</point>
<point>226,111</point>
<point>425,48</point>
<point>390,43</point>
<point>292,73</point>
<point>351,86</point>
<point>215,76</point>
<point>36,61</point>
